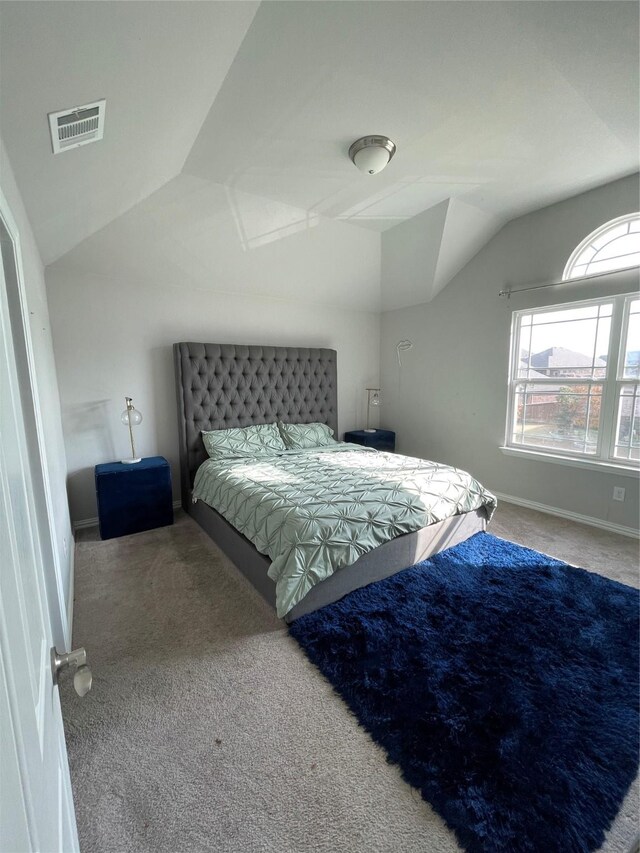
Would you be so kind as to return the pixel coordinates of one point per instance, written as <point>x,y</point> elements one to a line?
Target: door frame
<point>61,612</point>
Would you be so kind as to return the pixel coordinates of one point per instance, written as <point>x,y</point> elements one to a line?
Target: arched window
<point>613,246</point>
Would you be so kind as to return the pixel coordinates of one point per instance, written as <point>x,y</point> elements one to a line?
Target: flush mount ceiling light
<point>372,153</point>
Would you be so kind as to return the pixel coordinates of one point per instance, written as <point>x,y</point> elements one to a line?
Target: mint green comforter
<point>314,511</point>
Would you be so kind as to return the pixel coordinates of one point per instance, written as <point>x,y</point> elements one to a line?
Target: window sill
<point>589,464</point>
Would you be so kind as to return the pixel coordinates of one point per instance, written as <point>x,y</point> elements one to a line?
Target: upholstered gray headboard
<point>227,385</point>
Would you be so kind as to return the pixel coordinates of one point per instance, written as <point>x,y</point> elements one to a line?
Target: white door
<point>36,806</point>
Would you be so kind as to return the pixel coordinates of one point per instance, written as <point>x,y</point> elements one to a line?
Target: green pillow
<point>243,442</point>
<point>301,436</point>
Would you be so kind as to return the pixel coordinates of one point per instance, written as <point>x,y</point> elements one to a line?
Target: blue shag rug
<point>502,682</point>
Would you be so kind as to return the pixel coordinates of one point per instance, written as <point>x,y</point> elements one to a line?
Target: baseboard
<point>86,522</point>
<point>571,516</point>
<point>93,522</point>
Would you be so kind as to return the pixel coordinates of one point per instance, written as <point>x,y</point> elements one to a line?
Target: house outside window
<point>574,386</point>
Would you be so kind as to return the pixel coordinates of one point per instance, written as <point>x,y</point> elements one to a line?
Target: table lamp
<point>373,401</point>
<point>131,417</point>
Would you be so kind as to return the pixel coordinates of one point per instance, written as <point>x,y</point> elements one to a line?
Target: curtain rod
<point>508,291</point>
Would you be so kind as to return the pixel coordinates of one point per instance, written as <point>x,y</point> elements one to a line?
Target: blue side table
<point>132,498</point>
<point>381,439</point>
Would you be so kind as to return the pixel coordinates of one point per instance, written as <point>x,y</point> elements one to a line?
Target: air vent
<point>77,126</point>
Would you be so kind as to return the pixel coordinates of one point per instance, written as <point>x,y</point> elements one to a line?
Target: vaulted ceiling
<point>160,67</point>
<point>503,107</point>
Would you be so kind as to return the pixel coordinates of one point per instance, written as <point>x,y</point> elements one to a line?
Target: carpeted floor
<point>207,728</point>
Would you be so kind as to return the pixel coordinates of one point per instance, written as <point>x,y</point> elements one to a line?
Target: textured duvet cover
<point>314,511</point>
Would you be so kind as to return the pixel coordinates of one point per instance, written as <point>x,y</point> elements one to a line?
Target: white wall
<point>421,255</point>
<point>409,260</point>
<point>53,455</point>
<point>449,400</point>
<point>199,262</point>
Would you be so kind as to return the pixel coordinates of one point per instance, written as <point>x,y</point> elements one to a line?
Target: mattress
<point>314,511</point>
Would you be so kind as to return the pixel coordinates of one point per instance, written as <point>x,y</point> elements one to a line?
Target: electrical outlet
<point>618,493</point>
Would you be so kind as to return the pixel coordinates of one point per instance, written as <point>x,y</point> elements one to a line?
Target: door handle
<point>82,678</point>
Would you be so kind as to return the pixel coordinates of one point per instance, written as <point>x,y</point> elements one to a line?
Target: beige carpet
<point>208,730</point>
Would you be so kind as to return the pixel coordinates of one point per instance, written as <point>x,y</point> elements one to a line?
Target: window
<point>613,246</point>
<point>575,380</point>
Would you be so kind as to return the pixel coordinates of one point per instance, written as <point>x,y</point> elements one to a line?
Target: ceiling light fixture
<point>372,153</point>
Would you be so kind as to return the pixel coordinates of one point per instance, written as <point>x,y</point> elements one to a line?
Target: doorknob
<point>82,677</point>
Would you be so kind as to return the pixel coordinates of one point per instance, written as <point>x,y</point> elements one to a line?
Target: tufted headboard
<point>227,385</point>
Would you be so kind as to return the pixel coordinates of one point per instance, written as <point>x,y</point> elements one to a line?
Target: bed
<point>220,386</point>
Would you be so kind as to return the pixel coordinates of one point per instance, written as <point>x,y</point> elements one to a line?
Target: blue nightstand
<point>132,498</point>
<point>381,439</point>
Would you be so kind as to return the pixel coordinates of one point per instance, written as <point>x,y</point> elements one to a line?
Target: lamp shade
<point>371,160</point>
<point>131,416</point>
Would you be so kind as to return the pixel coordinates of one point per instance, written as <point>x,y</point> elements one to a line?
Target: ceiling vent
<point>77,126</point>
